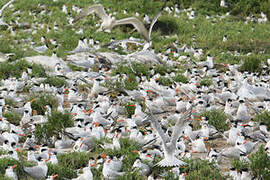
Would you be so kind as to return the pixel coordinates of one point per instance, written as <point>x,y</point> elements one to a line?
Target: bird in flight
<point>109,22</point>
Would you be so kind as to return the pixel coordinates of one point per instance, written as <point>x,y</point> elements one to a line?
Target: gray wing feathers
<point>158,128</point>
<point>97,8</point>
<point>180,125</point>
<point>136,23</point>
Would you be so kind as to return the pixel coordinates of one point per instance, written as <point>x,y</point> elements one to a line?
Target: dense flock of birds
<point>239,94</point>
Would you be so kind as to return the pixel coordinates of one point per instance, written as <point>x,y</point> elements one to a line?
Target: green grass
<point>263,117</point>
<point>260,164</point>
<point>56,122</point>
<point>206,82</point>
<point>252,64</point>
<point>201,168</point>
<point>217,118</point>
<point>55,81</point>
<point>12,117</point>
<point>40,102</point>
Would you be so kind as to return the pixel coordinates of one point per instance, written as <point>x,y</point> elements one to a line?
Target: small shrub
<point>56,122</point>
<point>64,172</point>
<point>165,81</point>
<point>217,118</point>
<point>251,64</point>
<point>263,117</point>
<point>73,160</point>
<point>12,117</point>
<point>9,102</point>
<point>260,164</point>
<point>41,101</point>
<point>206,82</point>
<point>180,78</point>
<point>130,109</point>
<point>201,168</point>
<point>238,165</point>
<point>38,71</point>
<point>55,81</point>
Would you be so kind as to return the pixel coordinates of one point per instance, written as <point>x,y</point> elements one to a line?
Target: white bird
<point>39,171</point>
<point>169,147</point>
<point>109,22</point>
<point>144,169</point>
<point>86,175</point>
<point>223,4</point>
<point>10,173</point>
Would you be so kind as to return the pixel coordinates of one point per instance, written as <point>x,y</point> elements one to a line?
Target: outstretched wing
<point>156,18</point>
<point>178,128</point>
<point>158,128</point>
<point>137,24</point>
<point>5,6</point>
<point>96,8</point>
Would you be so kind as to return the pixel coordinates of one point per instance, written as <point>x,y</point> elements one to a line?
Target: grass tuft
<point>217,118</point>
<point>12,117</point>
<point>263,117</point>
<point>56,122</point>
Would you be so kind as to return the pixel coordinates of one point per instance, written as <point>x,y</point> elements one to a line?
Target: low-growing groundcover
<point>259,164</point>
<point>57,121</point>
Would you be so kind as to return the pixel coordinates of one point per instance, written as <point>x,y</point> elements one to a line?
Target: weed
<point>263,117</point>
<point>62,171</point>
<point>41,101</point>
<point>251,64</point>
<point>130,108</point>
<point>55,81</point>
<point>165,81</point>
<point>217,118</point>
<point>12,117</point>
<point>56,122</point>
<point>206,82</point>
<point>180,78</point>
<point>9,102</point>
<point>260,164</point>
<point>239,165</point>
<point>201,168</point>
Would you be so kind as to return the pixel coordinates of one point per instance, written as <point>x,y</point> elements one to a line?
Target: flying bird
<point>109,22</point>
<point>169,146</point>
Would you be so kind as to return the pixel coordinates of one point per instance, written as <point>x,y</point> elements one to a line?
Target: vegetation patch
<point>263,117</point>
<point>217,118</point>
<point>12,117</point>
<point>41,101</point>
<point>57,121</point>
<point>251,64</point>
<point>55,81</point>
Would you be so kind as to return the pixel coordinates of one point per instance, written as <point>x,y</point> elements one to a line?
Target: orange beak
<point>103,155</point>
<point>244,125</point>
<point>92,165</point>
<point>18,150</point>
<point>55,176</point>
<point>14,166</point>
<point>36,146</point>
<point>132,105</point>
<point>47,160</point>
<point>121,120</point>
<point>135,151</point>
